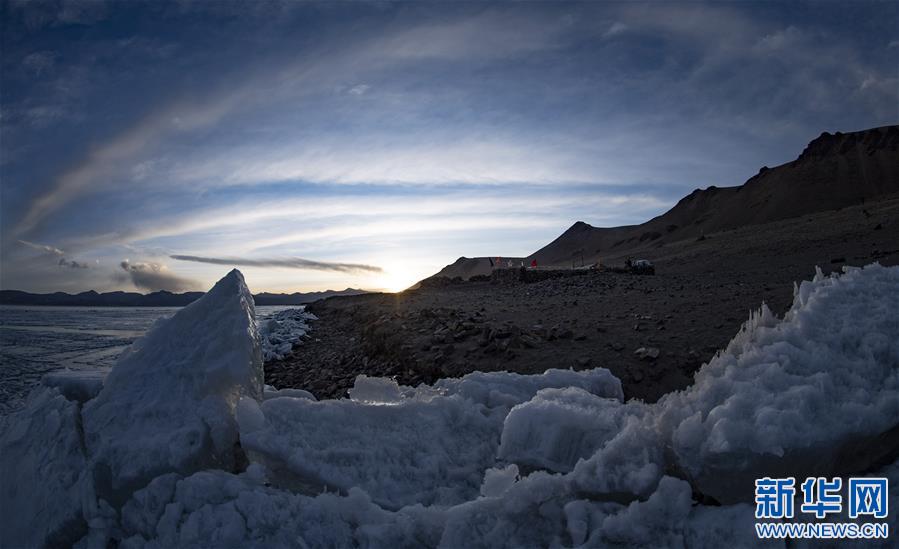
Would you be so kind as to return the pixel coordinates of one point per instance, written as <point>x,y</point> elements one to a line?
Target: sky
<point>148,146</point>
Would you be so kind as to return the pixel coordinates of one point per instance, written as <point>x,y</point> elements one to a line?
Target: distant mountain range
<point>834,171</point>
<point>154,299</point>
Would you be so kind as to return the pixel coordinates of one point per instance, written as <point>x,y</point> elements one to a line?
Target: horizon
<point>316,146</point>
<point>197,292</point>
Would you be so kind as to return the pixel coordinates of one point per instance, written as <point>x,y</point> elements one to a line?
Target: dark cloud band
<point>154,277</point>
<point>290,263</point>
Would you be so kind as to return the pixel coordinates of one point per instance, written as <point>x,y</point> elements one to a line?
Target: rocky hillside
<point>467,267</point>
<point>834,171</point>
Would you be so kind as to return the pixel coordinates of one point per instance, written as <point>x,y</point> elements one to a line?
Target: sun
<point>393,281</point>
<point>399,273</point>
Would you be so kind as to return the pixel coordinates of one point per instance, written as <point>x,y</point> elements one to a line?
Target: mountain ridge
<point>834,171</point>
<point>160,298</point>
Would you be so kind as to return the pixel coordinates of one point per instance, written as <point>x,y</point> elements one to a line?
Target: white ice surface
<point>453,464</point>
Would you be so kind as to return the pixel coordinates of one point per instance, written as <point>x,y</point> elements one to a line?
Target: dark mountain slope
<point>834,171</point>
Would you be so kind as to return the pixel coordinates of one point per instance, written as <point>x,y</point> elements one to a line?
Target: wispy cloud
<point>104,160</point>
<point>359,89</point>
<point>429,157</point>
<point>39,62</point>
<point>56,252</point>
<point>290,263</point>
<point>156,276</point>
<point>43,247</point>
<point>614,29</point>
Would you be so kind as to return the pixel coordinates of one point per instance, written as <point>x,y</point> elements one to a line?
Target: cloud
<point>39,62</point>
<point>616,28</point>
<point>42,247</point>
<point>56,13</point>
<point>105,159</point>
<point>359,89</point>
<point>156,276</point>
<point>53,250</point>
<point>490,34</point>
<point>421,158</point>
<point>63,262</point>
<point>290,263</point>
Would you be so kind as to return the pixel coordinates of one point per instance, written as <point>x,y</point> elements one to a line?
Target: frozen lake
<point>37,340</point>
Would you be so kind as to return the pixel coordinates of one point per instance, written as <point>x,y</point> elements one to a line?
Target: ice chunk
<point>169,403</point>
<point>498,480</point>
<point>610,447</point>
<point>142,512</point>
<point>271,392</point>
<point>214,508</point>
<point>402,445</point>
<point>530,513</point>
<point>627,466</point>
<point>505,389</point>
<point>249,416</point>
<point>558,427</point>
<point>659,521</point>
<point>813,394</point>
<point>542,510</point>
<point>375,390</point>
<point>44,478</point>
<point>428,451</point>
<point>725,526</point>
<point>79,385</point>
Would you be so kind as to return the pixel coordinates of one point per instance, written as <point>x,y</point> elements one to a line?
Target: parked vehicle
<point>640,266</point>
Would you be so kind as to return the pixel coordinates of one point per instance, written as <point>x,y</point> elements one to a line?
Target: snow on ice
<point>184,447</point>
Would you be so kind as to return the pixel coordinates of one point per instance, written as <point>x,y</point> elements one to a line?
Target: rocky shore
<point>653,332</point>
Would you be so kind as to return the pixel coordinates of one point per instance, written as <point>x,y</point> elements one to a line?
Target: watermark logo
<point>868,496</point>
<point>822,498</point>
<point>774,497</point>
